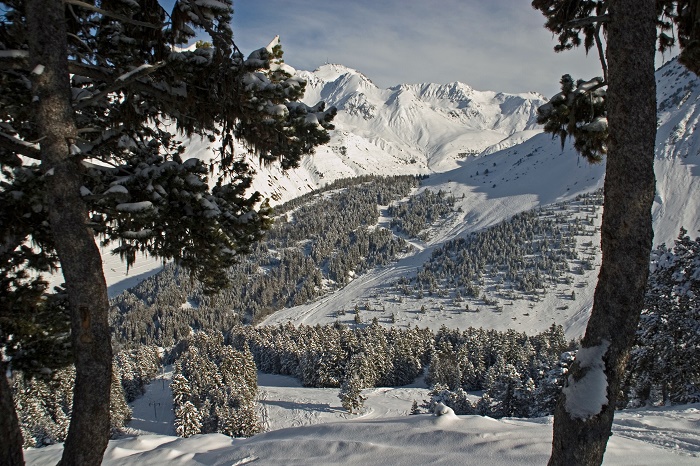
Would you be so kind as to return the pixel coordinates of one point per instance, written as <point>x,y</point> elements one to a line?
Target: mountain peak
<point>330,72</point>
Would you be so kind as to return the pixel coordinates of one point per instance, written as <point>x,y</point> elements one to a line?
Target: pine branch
<point>591,20</point>
<point>14,59</point>
<point>99,73</point>
<point>120,82</point>
<point>110,14</point>
<point>601,52</point>
<point>17,146</point>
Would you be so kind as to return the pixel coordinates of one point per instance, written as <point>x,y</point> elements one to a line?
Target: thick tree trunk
<point>11,435</point>
<point>75,243</point>
<point>627,225</point>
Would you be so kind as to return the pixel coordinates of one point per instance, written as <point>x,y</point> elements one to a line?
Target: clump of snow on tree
<point>586,396</point>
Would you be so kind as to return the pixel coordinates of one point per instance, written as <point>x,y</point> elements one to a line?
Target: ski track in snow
<point>678,431</point>
<point>152,413</point>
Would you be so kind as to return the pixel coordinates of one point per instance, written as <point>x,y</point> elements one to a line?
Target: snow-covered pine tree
<point>180,388</point>
<point>444,367</point>
<point>351,397</point>
<point>509,394</point>
<point>188,420</point>
<point>119,410</point>
<point>107,84</point>
<point>662,364</point>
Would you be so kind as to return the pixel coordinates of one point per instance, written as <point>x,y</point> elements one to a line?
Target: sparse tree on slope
<point>582,429</point>
<point>102,82</point>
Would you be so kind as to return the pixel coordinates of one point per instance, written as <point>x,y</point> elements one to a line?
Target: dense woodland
<point>316,245</point>
<point>214,388</point>
<point>519,373</point>
<point>516,259</point>
<point>45,402</point>
<point>419,212</point>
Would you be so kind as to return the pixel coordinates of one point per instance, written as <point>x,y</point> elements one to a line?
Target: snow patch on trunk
<point>587,396</point>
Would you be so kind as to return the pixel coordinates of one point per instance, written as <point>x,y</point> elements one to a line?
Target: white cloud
<point>498,45</point>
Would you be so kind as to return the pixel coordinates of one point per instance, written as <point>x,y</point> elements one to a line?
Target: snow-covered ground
<point>307,426</point>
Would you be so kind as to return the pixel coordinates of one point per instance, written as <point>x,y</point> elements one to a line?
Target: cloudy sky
<point>496,45</point>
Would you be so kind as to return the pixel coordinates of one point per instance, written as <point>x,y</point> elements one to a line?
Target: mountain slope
<point>525,168</point>
<point>496,185</point>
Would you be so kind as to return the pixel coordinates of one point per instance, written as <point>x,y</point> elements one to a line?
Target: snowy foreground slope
<point>308,427</point>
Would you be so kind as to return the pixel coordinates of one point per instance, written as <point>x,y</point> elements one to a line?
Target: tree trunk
<point>10,433</point>
<point>626,232</point>
<point>75,243</point>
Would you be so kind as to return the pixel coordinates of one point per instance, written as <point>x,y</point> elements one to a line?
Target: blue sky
<point>497,45</point>
<point>489,44</point>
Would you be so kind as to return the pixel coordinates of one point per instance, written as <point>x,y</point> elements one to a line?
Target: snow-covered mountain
<point>432,125</point>
<point>497,184</point>
<point>454,132</point>
<point>407,129</point>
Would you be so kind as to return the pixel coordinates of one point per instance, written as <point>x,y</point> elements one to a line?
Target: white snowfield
<point>309,427</point>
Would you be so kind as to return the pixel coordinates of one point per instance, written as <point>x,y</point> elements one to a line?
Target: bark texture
<point>10,433</point>
<point>75,243</point>
<point>626,232</point>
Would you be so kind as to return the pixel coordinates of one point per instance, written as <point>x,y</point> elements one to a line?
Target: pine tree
<point>626,231</point>
<point>662,363</point>
<point>414,408</point>
<point>188,421</point>
<point>180,388</point>
<point>120,413</point>
<point>113,89</point>
<point>356,373</point>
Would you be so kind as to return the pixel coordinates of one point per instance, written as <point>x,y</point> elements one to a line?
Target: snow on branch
<point>111,14</point>
<point>13,54</point>
<point>581,22</point>
<point>121,81</point>
<point>134,207</point>
<point>19,146</point>
<point>13,59</point>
